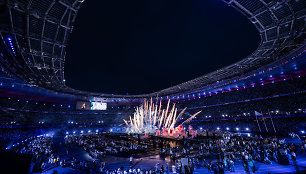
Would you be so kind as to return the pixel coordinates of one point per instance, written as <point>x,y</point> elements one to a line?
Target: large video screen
<point>98,106</point>
<point>81,105</point>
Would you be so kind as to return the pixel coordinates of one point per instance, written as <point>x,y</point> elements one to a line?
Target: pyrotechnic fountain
<point>152,119</point>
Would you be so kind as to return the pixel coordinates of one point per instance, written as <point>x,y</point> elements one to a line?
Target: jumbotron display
<point>98,106</point>
<point>81,105</point>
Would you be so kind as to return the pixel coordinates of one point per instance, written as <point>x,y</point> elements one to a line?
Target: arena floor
<point>150,159</point>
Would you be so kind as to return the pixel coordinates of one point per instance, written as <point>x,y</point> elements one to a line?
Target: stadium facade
<point>34,36</point>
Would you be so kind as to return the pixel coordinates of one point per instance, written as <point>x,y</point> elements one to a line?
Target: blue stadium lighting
<point>11,44</point>
<point>237,129</point>
<point>82,132</point>
<point>247,129</point>
<point>227,128</point>
<point>89,131</point>
<point>67,132</point>
<point>218,128</point>
<point>69,106</point>
<point>73,132</point>
<point>97,130</point>
<point>302,132</point>
<point>249,135</point>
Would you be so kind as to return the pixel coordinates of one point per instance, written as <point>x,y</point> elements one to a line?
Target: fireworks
<point>149,118</point>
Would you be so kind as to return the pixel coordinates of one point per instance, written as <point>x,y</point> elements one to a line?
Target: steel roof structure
<point>39,30</point>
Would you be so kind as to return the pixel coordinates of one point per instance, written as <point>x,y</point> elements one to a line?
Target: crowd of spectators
<point>99,145</point>
<point>217,154</point>
<point>231,149</point>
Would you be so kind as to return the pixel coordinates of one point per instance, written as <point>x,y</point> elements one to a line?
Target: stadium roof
<point>39,31</point>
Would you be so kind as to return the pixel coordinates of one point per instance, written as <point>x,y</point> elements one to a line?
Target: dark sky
<point>141,46</point>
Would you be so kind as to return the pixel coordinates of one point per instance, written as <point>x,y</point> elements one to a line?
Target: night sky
<point>142,46</point>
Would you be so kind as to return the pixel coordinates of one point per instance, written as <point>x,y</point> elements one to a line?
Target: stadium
<point>246,117</point>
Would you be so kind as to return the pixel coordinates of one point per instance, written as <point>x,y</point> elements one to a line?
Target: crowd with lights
<point>100,145</point>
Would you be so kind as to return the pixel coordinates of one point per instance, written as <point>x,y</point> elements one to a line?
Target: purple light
<point>9,39</point>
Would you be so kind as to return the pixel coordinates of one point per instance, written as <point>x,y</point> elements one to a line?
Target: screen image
<point>98,106</point>
<point>83,105</point>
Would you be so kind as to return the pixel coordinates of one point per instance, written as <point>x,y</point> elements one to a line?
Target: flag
<point>257,113</point>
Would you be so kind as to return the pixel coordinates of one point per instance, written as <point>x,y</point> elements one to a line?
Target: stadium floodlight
<point>67,132</point>
<point>227,128</point>
<point>218,128</point>
<point>82,132</point>
<point>237,129</point>
<point>247,129</point>
<point>302,132</point>
<point>73,132</point>
<point>249,135</point>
